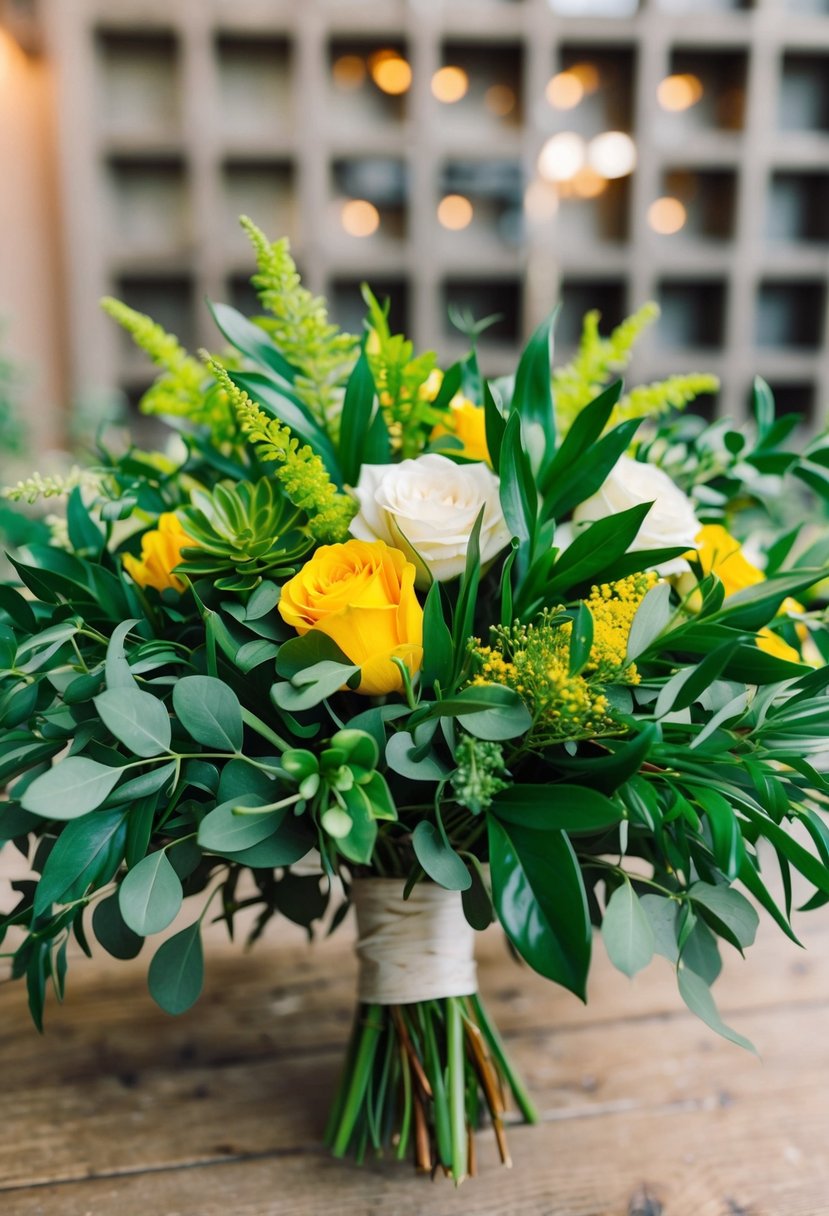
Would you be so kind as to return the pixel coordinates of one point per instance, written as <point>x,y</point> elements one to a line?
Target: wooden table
<point>121,1110</point>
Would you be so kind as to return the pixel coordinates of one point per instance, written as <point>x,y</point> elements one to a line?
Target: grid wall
<point>176,115</point>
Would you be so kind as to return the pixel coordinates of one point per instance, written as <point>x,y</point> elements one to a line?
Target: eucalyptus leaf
<point>210,712</point>
<point>439,860</point>
<point>71,788</point>
<point>176,975</point>
<point>627,932</point>
<point>150,897</point>
<point>137,719</point>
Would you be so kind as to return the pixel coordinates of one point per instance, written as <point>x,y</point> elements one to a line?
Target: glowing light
<point>500,100</point>
<point>349,71</point>
<point>540,201</point>
<point>561,157</point>
<point>667,215</point>
<point>587,183</point>
<point>360,217</point>
<point>587,74</point>
<point>450,84</point>
<point>679,92</point>
<point>390,72</point>
<point>564,91</point>
<point>455,212</point>
<point>612,154</point>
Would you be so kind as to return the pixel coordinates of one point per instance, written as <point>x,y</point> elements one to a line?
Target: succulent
<point>243,533</point>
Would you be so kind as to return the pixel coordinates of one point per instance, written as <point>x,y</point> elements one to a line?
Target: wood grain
<point>120,1108</point>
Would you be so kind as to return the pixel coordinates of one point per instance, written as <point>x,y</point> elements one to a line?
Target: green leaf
<point>84,534</point>
<point>532,397</point>
<point>288,844</point>
<point>540,900</point>
<point>651,619</point>
<point>298,654</point>
<point>86,854</point>
<point>151,895</point>
<point>662,914</point>
<point>727,908</point>
<point>114,935</point>
<point>464,617</point>
<point>608,773</point>
<point>356,419</point>
<point>571,808</point>
<point>71,788</point>
<point>438,655</point>
<point>251,340</point>
<point>358,843</point>
<point>581,639</point>
<point>596,547</point>
<point>223,831</point>
<point>312,685</point>
<point>689,683</point>
<point>627,932</point>
<point>176,974</point>
<point>494,425</point>
<point>402,757</point>
<point>519,497</point>
<point>137,719</point>
<point>209,711</point>
<point>697,996</point>
<point>276,400</point>
<point>476,899</point>
<point>439,860</point>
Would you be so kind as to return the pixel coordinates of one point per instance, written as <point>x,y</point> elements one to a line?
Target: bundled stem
<point>422,1074</point>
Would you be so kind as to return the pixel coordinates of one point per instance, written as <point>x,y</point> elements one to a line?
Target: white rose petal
<point>431,504</point>
<point>671,521</point>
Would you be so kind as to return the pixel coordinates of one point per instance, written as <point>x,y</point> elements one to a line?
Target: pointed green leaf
<point>150,897</point>
<point>176,974</point>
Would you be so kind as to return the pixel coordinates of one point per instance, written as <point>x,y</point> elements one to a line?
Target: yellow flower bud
<point>160,554</point>
<point>466,421</point>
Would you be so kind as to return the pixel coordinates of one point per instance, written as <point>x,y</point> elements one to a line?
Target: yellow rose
<point>720,553</point>
<point>466,422</point>
<point>361,594</point>
<point>160,554</point>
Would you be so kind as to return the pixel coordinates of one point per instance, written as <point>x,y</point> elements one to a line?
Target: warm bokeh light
<point>564,91</point>
<point>500,100</point>
<point>587,75</point>
<point>349,71</point>
<point>390,72</point>
<point>667,215</point>
<point>450,84</point>
<point>360,217</point>
<point>561,157</point>
<point>612,154</point>
<point>587,183</point>
<point>455,212</point>
<point>679,92</point>
<point>540,201</point>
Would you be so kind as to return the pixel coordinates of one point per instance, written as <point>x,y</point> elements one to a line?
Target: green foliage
<point>401,379</point>
<point>322,355</point>
<point>301,472</point>
<point>479,774</point>
<point>599,360</point>
<point>183,390</point>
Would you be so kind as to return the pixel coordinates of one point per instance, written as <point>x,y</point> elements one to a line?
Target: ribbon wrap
<point>419,949</point>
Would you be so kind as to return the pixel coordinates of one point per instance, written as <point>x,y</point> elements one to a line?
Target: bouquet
<point>448,649</point>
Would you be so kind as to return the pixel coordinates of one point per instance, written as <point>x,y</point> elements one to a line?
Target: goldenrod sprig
<point>301,473</point>
<point>299,326</point>
<point>182,391</point>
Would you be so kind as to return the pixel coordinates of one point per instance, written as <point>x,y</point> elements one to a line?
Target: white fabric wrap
<point>418,949</point>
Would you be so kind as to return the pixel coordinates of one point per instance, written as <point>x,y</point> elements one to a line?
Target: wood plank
<point>113,1116</point>
<point>690,1163</point>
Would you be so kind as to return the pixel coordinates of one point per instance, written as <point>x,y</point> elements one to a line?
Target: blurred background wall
<point>491,155</point>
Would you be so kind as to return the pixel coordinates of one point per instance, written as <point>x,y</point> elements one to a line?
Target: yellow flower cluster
<point>613,607</point>
<point>535,661</point>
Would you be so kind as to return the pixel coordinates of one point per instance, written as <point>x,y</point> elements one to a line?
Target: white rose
<point>671,521</point>
<point>429,505</point>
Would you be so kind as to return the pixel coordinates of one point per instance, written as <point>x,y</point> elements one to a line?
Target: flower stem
<point>457,1088</point>
<point>363,1064</point>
